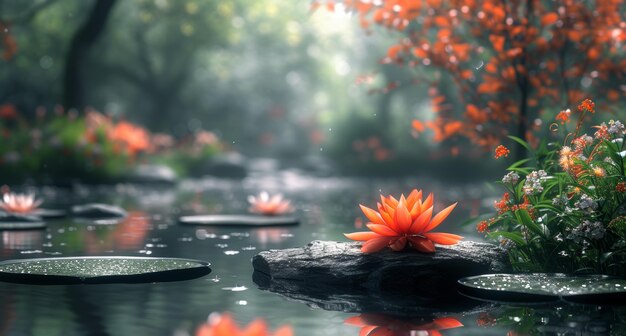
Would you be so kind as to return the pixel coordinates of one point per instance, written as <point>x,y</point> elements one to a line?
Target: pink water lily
<point>404,222</point>
<point>19,203</point>
<point>269,205</point>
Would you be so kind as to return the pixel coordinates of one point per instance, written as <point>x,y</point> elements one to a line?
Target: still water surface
<point>327,207</point>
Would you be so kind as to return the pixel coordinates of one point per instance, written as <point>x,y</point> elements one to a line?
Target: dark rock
<point>18,226</point>
<point>238,220</point>
<point>96,210</point>
<point>50,213</point>
<point>153,174</point>
<point>19,218</point>
<point>230,165</point>
<point>11,221</point>
<point>338,276</point>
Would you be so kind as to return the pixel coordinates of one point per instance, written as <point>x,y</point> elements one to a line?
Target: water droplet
<point>235,289</point>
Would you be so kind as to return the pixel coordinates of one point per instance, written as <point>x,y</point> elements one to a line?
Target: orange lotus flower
<point>225,325</point>
<point>405,221</point>
<point>382,325</point>
<point>135,138</point>
<point>269,206</point>
<point>19,203</point>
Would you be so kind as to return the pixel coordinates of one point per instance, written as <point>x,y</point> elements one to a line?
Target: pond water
<point>327,208</point>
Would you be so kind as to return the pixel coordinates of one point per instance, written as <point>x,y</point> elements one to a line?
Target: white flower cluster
<point>511,177</point>
<point>533,186</point>
<point>616,128</point>
<point>587,230</point>
<point>586,204</point>
<point>561,200</point>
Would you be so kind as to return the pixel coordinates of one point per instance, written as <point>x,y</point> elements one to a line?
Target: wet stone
<point>238,220</point>
<point>97,210</point>
<point>153,174</point>
<point>10,221</point>
<point>19,218</point>
<point>98,270</point>
<point>338,276</point>
<point>50,213</point>
<point>542,287</point>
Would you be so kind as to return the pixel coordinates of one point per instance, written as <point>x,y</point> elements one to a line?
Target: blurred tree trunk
<point>84,38</point>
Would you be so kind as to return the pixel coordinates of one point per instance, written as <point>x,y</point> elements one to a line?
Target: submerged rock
<point>16,221</point>
<point>6,217</point>
<point>230,165</point>
<point>153,174</point>
<point>338,276</point>
<point>97,210</point>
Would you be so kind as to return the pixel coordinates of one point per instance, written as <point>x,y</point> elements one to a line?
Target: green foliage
<point>57,150</point>
<point>564,208</point>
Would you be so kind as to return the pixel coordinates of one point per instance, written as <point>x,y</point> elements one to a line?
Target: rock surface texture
<point>96,211</point>
<point>338,276</point>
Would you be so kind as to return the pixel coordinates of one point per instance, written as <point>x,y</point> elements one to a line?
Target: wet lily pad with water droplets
<point>100,270</point>
<point>238,220</point>
<point>543,287</point>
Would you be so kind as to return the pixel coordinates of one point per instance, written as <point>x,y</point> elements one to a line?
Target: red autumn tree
<point>507,60</point>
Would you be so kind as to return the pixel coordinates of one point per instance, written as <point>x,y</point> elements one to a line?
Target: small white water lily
<point>19,203</point>
<point>269,205</point>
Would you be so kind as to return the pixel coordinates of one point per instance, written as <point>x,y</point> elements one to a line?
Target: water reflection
<point>556,320</point>
<point>21,240</point>
<point>386,325</point>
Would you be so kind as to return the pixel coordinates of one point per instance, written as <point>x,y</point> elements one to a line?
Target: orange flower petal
<point>362,236</point>
<point>356,321</point>
<point>443,238</point>
<point>421,222</point>
<point>413,197</point>
<point>440,217</point>
<point>372,215</point>
<point>447,323</point>
<point>375,245</point>
<point>428,202</point>
<point>256,327</point>
<point>381,331</point>
<point>365,331</point>
<point>284,331</point>
<point>392,201</point>
<point>416,209</point>
<point>403,218</point>
<point>389,221</point>
<point>399,244</point>
<point>422,244</point>
<point>382,230</point>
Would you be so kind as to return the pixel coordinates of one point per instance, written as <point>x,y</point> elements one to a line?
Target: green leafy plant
<point>564,208</point>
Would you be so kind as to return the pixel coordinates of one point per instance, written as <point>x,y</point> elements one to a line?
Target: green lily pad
<point>99,270</point>
<point>543,287</point>
<point>238,220</point>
